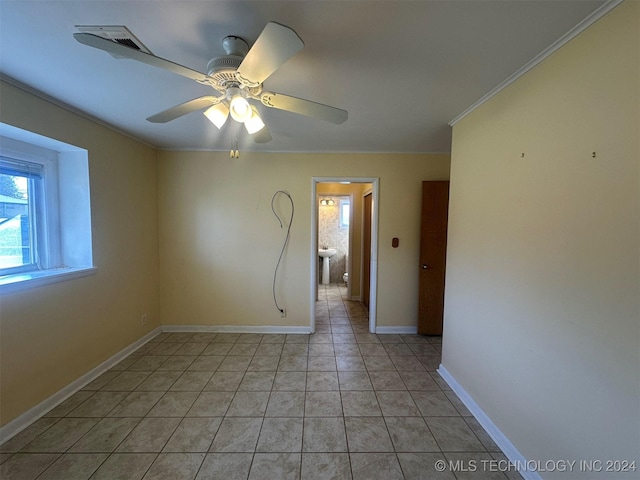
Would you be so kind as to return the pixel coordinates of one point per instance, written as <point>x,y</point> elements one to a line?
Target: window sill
<point>23,281</point>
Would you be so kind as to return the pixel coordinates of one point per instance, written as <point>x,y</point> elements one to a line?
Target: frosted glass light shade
<point>217,114</point>
<point>255,123</point>
<point>240,109</point>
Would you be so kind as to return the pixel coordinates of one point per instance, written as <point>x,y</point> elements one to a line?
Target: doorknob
<point>425,266</point>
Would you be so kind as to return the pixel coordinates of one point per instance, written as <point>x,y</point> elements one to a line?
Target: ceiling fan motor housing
<point>223,69</point>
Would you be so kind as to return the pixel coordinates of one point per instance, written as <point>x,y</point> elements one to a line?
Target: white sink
<point>327,252</point>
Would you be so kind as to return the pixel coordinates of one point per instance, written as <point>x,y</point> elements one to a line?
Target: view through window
<point>20,189</point>
<point>345,205</point>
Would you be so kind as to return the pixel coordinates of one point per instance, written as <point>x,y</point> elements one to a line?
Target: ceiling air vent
<point>116,33</point>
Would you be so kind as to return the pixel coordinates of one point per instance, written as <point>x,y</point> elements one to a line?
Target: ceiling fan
<point>237,76</point>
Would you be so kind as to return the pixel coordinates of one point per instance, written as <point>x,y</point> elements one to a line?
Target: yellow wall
<point>219,240</point>
<point>197,228</point>
<point>542,319</point>
<point>51,335</point>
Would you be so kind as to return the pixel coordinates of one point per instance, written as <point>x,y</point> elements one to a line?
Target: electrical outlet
<point>283,314</point>
<point>143,319</point>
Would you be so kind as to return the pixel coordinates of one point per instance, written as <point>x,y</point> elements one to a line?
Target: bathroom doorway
<point>335,227</point>
<point>338,242</point>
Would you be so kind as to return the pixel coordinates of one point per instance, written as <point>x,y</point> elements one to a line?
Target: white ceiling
<point>403,69</point>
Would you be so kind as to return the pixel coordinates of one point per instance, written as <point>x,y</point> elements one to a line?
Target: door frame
<point>374,181</point>
<point>367,192</point>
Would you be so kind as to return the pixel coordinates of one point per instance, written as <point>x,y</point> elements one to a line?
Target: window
<point>344,213</point>
<point>45,215</point>
<point>21,215</point>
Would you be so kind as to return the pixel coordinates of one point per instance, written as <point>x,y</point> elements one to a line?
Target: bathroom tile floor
<point>341,403</point>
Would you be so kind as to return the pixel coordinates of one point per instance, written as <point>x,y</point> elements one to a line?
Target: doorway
<point>323,195</point>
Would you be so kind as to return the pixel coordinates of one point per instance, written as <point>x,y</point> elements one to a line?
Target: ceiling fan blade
<point>304,107</point>
<point>275,45</point>
<point>262,136</point>
<point>133,54</point>
<point>184,108</point>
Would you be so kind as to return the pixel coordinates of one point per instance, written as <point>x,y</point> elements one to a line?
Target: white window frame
<point>341,204</point>
<point>33,173</point>
<point>47,226</point>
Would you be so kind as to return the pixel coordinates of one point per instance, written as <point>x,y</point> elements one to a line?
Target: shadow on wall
<point>333,232</point>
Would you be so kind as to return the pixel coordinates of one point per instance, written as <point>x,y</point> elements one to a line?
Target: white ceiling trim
<point>547,52</point>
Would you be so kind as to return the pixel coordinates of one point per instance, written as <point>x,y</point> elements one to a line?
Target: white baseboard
<point>236,329</point>
<point>510,451</point>
<point>397,330</point>
<point>18,424</point>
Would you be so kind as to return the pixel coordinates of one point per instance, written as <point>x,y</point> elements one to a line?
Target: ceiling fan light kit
<point>254,124</point>
<point>217,114</point>
<point>238,76</point>
<point>238,105</point>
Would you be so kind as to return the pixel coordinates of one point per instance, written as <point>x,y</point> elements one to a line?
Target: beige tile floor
<point>341,403</point>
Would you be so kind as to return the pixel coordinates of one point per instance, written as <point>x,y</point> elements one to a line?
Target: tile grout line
<point>389,348</point>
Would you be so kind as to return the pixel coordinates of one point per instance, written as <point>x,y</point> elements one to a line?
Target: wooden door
<point>366,248</point>
<point>433,251</point>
